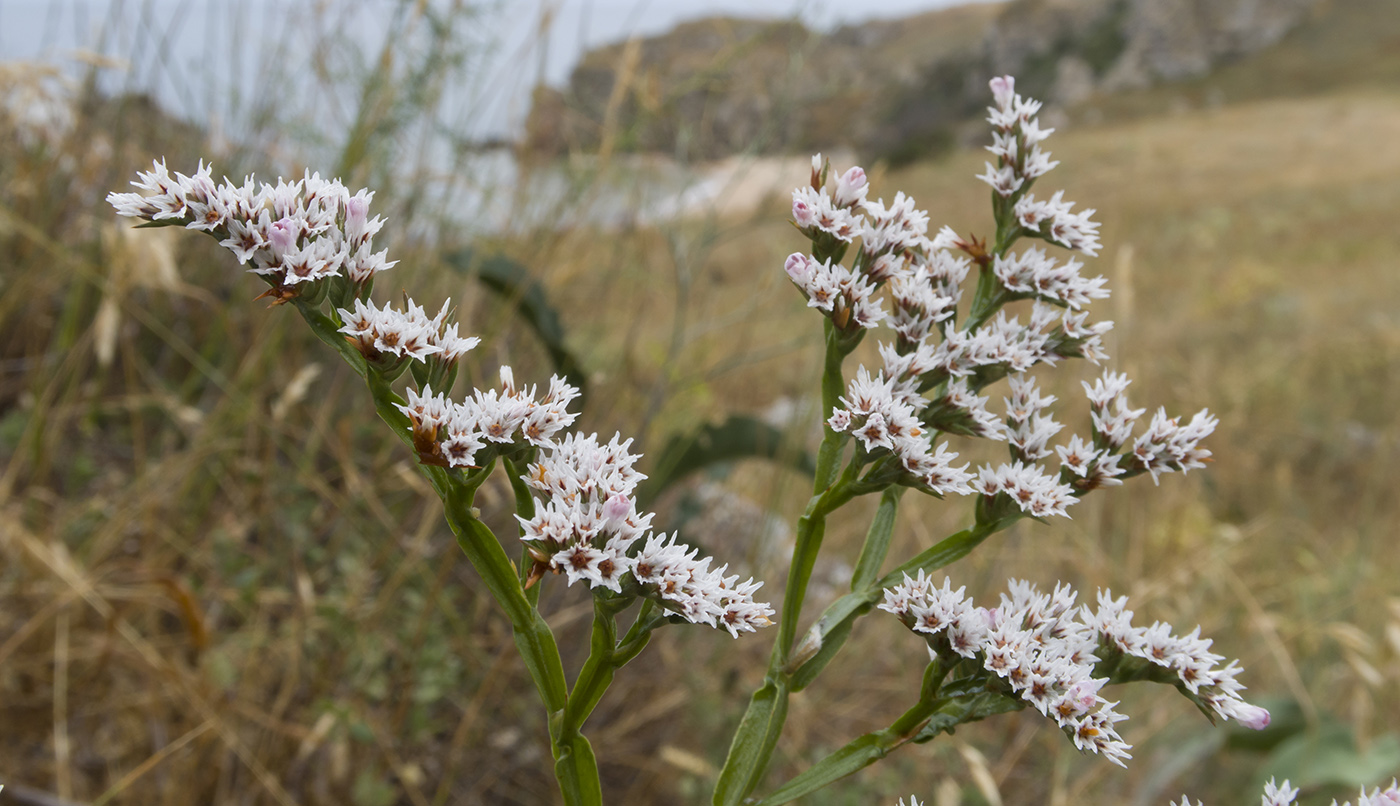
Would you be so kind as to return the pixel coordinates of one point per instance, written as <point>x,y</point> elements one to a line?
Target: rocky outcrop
<point>891,88</point>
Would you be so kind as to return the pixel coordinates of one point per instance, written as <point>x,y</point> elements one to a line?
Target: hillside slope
<point>905,88</point>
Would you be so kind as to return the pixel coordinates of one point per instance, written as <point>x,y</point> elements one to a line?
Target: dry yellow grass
<point>218,589</point>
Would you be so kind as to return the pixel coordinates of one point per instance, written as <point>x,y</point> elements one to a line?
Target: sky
<point>187,52</point>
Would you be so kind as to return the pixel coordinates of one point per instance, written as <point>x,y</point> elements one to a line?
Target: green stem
<point>986,300</point>
<point>524,508</point>
<point>830,632</point>
<point>877,538</point>
<point>648,618</point>
<point>867,749</point>
<point>811,528</point>
<point>597,672</point>
<point>575,766</point>
<point>757,735</point>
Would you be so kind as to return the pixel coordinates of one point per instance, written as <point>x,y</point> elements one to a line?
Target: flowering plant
<point>886,431</point>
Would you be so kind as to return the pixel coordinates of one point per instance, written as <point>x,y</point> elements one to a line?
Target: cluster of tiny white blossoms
<point>1284,795</point>
<point>297,234</point>
<point>1187,656</point>
<point>409,333</point>
<point>882,418</point>
<point>450,434</point>
<point>891,410</point>
<point>840,293</point>
<point>1016,139</point>
<point>1165,447</point>
<point>589,523</point>
<point>291,233</point>
<point>1047,649</point>
<point>1032,641</point>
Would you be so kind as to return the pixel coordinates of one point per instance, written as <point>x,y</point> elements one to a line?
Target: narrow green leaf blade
<point>753,744</point>
<point>738,437</point>
<point>513,282</point>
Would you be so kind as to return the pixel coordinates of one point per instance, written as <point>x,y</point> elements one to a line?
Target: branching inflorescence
<point>888,429</point>
<point>311,238</point>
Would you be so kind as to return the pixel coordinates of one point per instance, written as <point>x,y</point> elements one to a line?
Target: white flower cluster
<point>1047,648</point>
<point>1030,429</point>
<point>1165,447</point>
<point>923,299</point>
<point>1028,486</point>
<point>408,333</point>
<point>817,211</point>
<point>1033,273</point>
<point>1016,139</point>
<point>887,410</point>
<point>963,411</point>
<point>1285,795</point>
<point>1055,221</point>
<point>589,524</point>
<point>926,279</point>
<point>1189,656</point>
<point>1032,641</point>
<point>292,233</point>
<point>881,416</point>
<point>1001,343</point>
<point>928,609</point>
<point>449,434</point>
<point>701,594</point>
<point>891,231</point>
<point>843,295</point>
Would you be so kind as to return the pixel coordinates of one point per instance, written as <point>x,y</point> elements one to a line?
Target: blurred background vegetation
<point>220,582</point>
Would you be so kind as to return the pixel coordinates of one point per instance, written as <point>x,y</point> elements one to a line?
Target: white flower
<point>1028,486</point>
<point>1189,656</point>
<point>291,233</point>
<point>851,187</point>
<point>1167,447</point>
<point>698,594</point>
<point>1055,221</point>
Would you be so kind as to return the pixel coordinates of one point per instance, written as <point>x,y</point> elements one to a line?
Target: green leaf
<point>835,624</point>
<point>877,539</point>
<point>576,769</point>
<point>327,331</point>
<point>854,757</point>
<point>513,282</point>
<point>833,639</point>
<point>370,789</point>
<point>968,709</point>
<point>753,744</point>
<point>738,437</point>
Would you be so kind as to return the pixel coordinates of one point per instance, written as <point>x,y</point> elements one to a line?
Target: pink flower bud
<point>617,508</point>
<point>798,268</point>
<point>357,213</point>
<point>357,208</point>
<point>1252,716</point>
<point>1085,693</point>
<point>282,235</point>
<point>1003,90</point>
<point>849,186</point>
<point>803,214</point>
